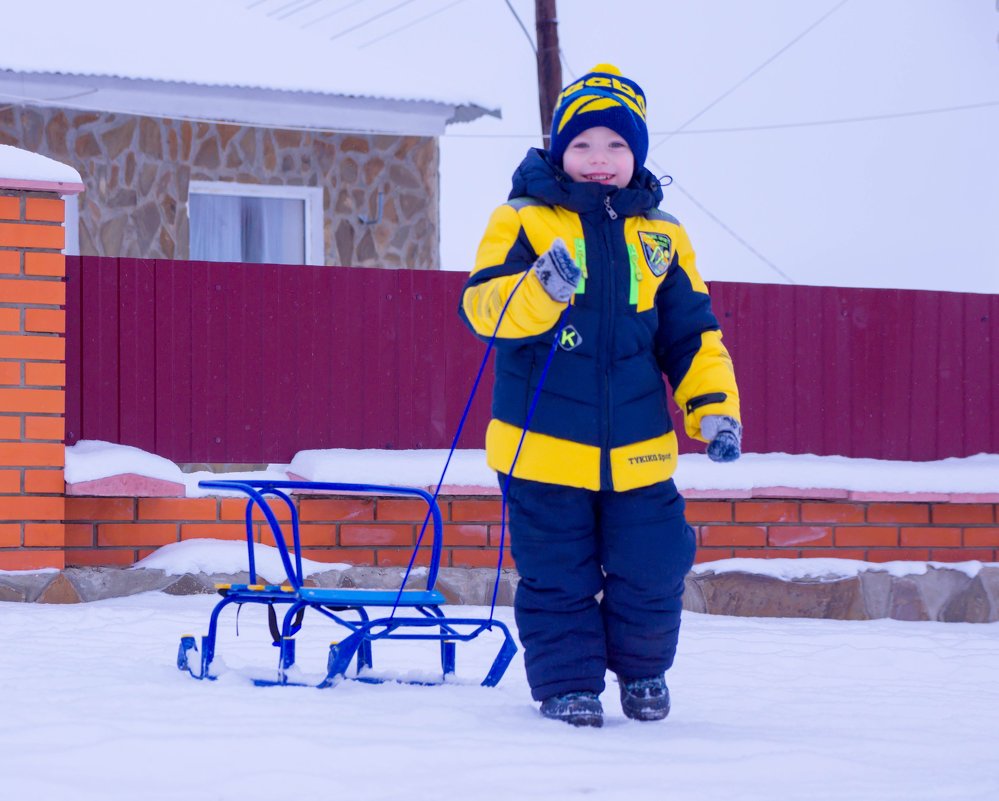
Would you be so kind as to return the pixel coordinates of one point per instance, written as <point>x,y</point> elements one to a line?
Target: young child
<point>592,507</point>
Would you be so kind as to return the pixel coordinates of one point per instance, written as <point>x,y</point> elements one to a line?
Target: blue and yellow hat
<point>601,97</point>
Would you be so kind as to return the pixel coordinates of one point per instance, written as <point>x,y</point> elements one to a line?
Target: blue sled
<point>422,617</point>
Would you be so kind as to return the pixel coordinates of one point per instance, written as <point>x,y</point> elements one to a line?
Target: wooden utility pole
<point>549,65</point>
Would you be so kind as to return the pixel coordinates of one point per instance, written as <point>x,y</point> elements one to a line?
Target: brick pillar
<point>32,359</point>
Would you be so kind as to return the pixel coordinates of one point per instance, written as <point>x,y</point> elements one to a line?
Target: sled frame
<point>420,616</point>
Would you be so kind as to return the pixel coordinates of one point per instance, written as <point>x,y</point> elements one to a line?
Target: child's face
<point>599,155</point>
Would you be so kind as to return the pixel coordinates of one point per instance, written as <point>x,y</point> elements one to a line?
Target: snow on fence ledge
<point>765,505</point>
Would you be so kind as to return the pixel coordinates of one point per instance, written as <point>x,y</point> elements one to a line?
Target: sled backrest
<point>258,491</point>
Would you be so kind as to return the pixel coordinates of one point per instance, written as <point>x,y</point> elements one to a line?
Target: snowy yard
<point>773,709</point>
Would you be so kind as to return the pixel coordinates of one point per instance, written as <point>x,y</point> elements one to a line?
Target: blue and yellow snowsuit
<point>592,504</point>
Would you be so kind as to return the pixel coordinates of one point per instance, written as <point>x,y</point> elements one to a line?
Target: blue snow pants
<point>570,544</point>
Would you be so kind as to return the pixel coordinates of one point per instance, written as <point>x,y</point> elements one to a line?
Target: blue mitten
<point>724,436</point>
<point>557,272</point>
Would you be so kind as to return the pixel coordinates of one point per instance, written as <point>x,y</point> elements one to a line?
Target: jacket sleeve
<point>689,346</point>
<point>498,281</point>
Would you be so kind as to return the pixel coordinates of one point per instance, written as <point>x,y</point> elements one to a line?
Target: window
<point>256,224</point>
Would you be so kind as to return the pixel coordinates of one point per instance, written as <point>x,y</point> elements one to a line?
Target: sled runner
<point>402,614</point>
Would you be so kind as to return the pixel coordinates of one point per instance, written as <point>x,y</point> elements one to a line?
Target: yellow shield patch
<point>658,250</point>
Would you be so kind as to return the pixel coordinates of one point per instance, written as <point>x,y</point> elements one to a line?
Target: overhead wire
<point>753,72</point>
<point>329,14</point>
<point>840,121</point>
<point>728,229</point>
<point>722,224</point>
<point>565,64</point>
<point>745,79</point>
<point>299,9</point>
<point>776,125</point>
<point>274,12</point>
<point>411,24</point>
<point>520,22</point>
<point>369,20</point>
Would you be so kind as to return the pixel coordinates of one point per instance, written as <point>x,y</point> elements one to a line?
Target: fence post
<point>32,359</point>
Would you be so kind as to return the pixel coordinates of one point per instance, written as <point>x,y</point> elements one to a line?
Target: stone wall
<point>137,171</point>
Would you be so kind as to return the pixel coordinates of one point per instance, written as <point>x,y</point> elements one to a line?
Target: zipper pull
<point>610,210</point>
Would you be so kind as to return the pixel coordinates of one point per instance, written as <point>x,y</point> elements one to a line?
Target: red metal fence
<point>236,363</point>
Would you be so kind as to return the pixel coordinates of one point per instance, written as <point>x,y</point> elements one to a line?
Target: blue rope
<point>454,445</point>
<point>523,434</point>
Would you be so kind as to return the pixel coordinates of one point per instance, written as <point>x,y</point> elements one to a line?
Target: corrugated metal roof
<point>219,43</point>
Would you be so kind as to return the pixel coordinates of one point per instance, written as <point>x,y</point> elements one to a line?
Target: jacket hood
<point>539,177</point>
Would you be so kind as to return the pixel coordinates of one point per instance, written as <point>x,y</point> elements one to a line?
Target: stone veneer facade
<point>137,171</point>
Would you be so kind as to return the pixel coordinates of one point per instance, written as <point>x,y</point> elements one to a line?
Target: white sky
<point>909,202</point>
<point>905,201</point>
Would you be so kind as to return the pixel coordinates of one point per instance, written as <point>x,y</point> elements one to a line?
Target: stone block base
<point>939,594</point>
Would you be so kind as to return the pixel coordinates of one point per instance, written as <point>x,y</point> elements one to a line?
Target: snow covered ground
<point>768,709</point>
<point>764,709</point>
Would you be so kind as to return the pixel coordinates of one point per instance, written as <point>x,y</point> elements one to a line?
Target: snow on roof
<point>220,43</point>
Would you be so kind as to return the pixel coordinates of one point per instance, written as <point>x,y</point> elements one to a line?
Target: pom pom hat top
<point>602,97</point>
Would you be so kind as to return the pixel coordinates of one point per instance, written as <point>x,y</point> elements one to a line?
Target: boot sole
<point>594,721</point>
<point>646,713</point>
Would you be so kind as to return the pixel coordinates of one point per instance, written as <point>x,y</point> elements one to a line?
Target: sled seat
<point>341,597</point>
<point>373,597</point>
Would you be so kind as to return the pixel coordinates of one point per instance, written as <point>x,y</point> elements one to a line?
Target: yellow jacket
<point>640,311</point>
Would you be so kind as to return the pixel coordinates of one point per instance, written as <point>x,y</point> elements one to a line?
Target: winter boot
<point>645,699</point>
<point>576,709</point>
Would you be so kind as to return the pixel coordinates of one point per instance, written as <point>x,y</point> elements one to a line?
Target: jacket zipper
<point>606,477</point>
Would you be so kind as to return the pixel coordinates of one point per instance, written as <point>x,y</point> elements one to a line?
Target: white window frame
<point>71,224</point>
<point>312,195</point>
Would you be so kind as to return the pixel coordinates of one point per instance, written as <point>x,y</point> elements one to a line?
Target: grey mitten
<point>557,272</point>
<point>724,436</point>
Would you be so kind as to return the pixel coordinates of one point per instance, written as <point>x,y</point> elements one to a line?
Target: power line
<point>565,63</point>
<point>411,24</point>
<point>721,224</point>
<point>381,14</point>
<point>778,125</point>
<point>299,9</point>
<point>841,120</point>
<point>291,4</point>
<point>770,60</point>
<point>332,13</point>
<point>520,22</point>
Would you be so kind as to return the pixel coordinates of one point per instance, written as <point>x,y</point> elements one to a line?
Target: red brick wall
<point>871,531</point>
<point>32,379</point>
<point>382,531</point>
<point>361,531</point>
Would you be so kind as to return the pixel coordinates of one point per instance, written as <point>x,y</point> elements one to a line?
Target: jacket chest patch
<point>569,338</point>
<point>658,250</point>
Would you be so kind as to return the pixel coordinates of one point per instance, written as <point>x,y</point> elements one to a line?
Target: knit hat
<point>602,97</point>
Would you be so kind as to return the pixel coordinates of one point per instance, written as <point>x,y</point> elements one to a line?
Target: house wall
<point>137,171</point>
